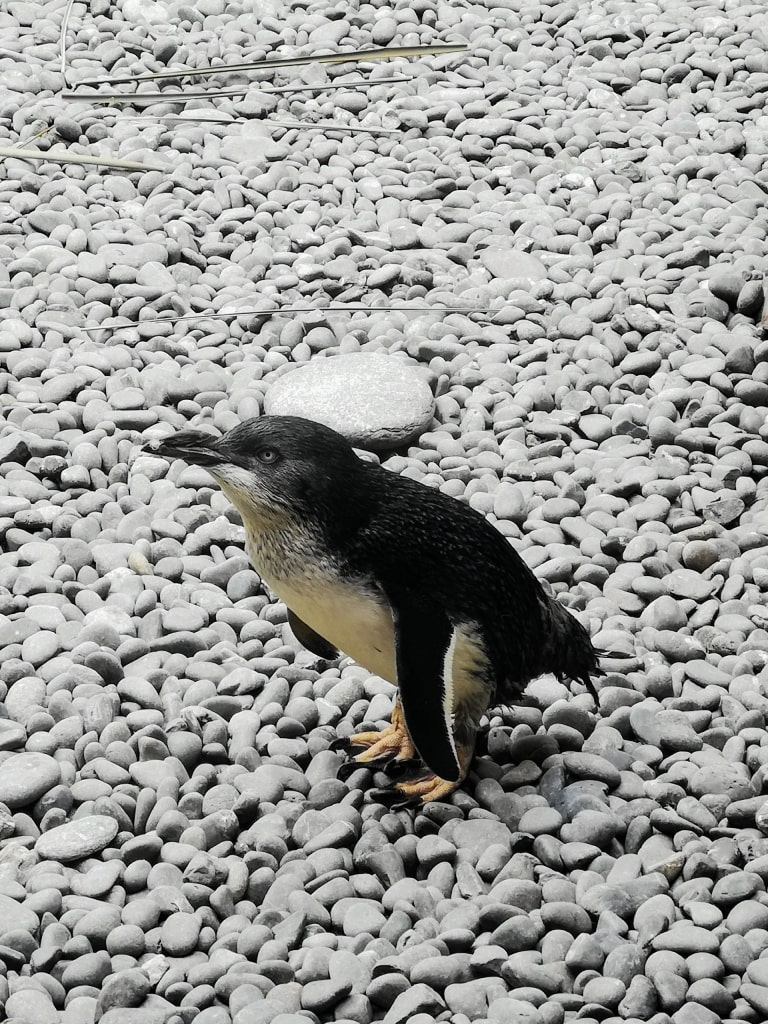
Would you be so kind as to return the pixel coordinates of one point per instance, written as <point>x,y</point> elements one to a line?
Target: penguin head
<point>285,464</point>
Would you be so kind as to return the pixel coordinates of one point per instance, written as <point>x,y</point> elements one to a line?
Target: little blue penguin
<point>415,585</point>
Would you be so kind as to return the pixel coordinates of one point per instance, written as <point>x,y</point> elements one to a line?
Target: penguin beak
<point>194,446</point>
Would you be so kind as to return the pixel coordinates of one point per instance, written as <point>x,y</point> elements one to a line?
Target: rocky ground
<point>174,843</point>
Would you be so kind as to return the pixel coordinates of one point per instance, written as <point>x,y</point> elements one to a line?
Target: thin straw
<point>334,307</point>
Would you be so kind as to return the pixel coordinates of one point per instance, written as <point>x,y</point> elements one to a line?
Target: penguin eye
<point>267,455</point>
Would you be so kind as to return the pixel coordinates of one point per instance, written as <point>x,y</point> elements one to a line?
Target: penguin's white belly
<point>353,617</point>
<point>357,619</point>
<point>350,617</point>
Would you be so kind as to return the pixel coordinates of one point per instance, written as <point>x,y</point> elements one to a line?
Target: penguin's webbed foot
<point>391,744</point>
<point>402,796</point>
<point>426,787</point>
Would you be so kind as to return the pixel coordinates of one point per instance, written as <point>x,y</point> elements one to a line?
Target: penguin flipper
<point>308,638</point>
<point>423,639</point>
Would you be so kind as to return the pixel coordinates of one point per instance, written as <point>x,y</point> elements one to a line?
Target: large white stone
<point>376,401</point>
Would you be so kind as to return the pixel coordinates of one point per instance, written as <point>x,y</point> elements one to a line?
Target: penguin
<point>414,585</point>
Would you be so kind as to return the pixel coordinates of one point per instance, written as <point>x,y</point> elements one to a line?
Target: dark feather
<point>422,636</point>
<point>308,638</point>
<point>447,556</point>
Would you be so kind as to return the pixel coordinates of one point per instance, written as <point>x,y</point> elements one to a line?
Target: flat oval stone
<point>512,264</point>
<point>77,839</point>
<point>475,836</point>
<point>25,777</point>
<point>377,402</point>
<point>12,735</point>
<point>130,254</point>
<point>16,916</point>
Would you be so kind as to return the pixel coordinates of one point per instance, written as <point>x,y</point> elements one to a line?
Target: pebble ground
<point>174,843</point>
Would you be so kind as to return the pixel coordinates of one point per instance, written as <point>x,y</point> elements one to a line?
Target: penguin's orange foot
<point>392,743</point>
<point>415,793</point>
<point>426,787</point>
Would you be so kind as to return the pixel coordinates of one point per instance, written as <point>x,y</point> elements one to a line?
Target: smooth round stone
<point>126,939</point>
<point>179,934</point>
<point>604,991</point>
<point>24,778</point>
<point>15,917</point>
<point>98,923</point>
<point>574,327</point>
<point>686,939</point>
<point>130,254</point>
<point>151,774</point>
<point>517,933</point>
<point>77,839</point>
<point>89,969</point>
<point>98,881</point>
<point>757,997</point>
<point>377,402</point>
<point>475,836</point>
<point>361,917</point>
<point>540,821</point>
<point>12,735</point>
<point>591,766</point>
<point>662,728</point>
<point>32,1005</point>
<point>745,916</point>
<point>127,988</point>
<point>321,996</point>
<point>508,263</point>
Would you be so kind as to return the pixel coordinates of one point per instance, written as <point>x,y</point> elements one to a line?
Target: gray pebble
<point>323,996</point>
<point>686,938</point>
<point>89,969</point>
<point>77,839</point>
<point>417,999</point>
<point>127,988</point>
<point>179,934</point>
<point>24,778</point>
<point>375,402</point>
<point>31,1004</point>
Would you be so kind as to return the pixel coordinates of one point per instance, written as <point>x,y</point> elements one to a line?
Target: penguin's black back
<point>442,553</point>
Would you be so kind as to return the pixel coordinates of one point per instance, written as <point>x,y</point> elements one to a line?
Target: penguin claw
<point>423,786</point>
<point>394,800</point>
<point>412,803</point>
<point>348,769</point>
<point>387,796</point>
<point>398,768</point>
<point>377,764</point>
<point>392,751</point>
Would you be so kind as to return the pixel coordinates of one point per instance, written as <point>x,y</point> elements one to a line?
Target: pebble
<point>16,917</point>
<point>375,402</point>
<point>179,934</point>
<point>687,938</point>
<point>25,777</point>
<point>77,839</point>
<point>127,988</point>
<point>512,264</point>
<point>323,996</point>
<point>29,1004</point>
<point>473,837</point>
<point>417,999</point>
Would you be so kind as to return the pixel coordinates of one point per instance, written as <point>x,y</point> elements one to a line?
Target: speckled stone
<point>25,777</point>
<point>376,402</point>
<point>77,839</point>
